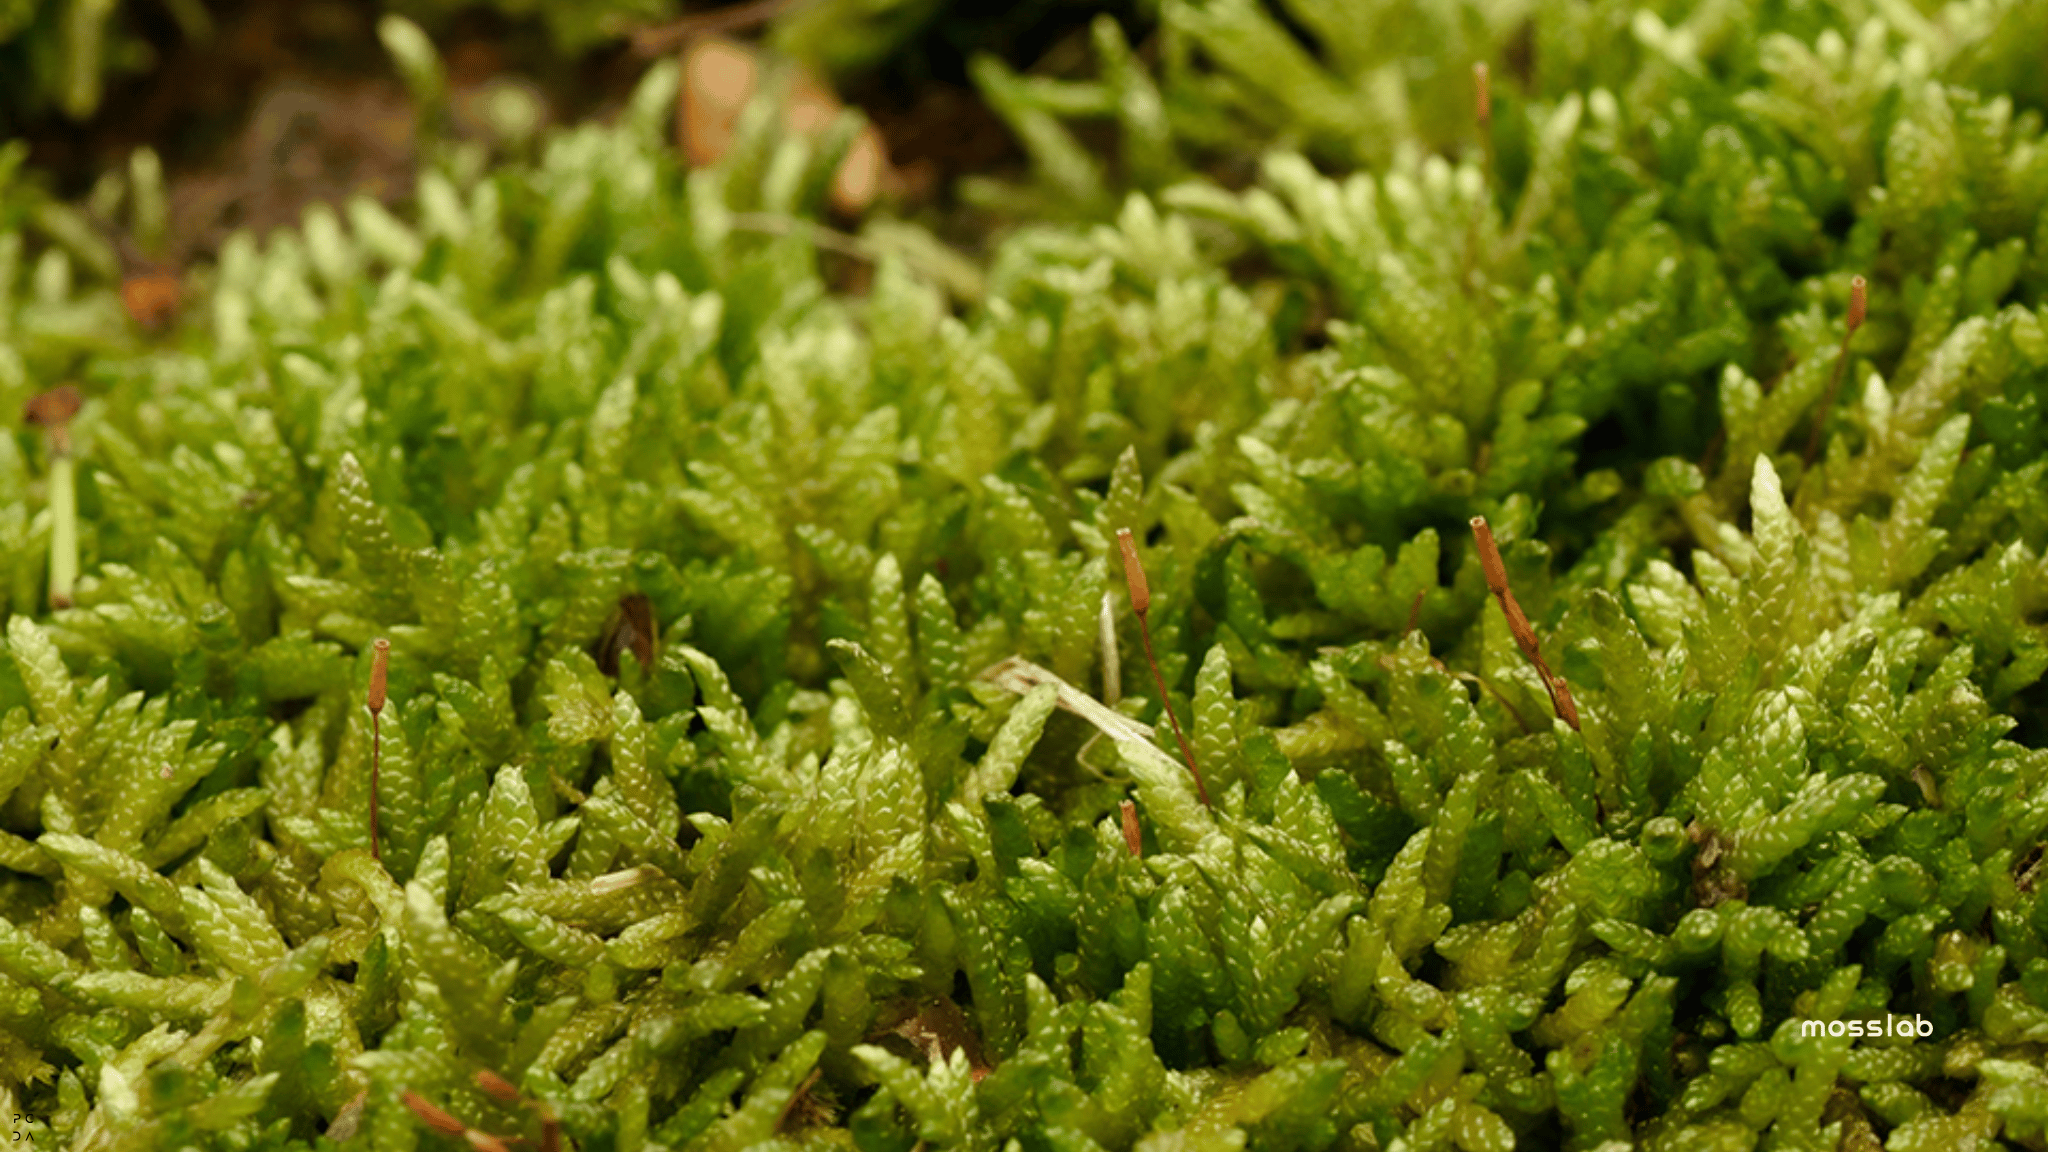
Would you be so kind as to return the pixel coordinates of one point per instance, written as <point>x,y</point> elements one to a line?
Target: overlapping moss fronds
<point>798,872</point>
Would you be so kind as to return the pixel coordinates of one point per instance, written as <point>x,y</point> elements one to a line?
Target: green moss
<point>811,875</point>
<point>61,55</point>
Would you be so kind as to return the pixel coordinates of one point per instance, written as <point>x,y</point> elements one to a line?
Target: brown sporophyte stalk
<point>1141,602</point>
<point>1525,636</point>
<point>1858,303</point>
<point>447,1124</point>
<point>506,1093</point>
<point>379,666</point>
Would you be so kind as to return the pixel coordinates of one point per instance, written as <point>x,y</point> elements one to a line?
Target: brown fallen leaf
<point>631,630</point>
<point>720,76</point>
<point>936,1027</point>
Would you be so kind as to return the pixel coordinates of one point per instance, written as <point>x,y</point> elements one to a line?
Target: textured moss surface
<point>805,870</point>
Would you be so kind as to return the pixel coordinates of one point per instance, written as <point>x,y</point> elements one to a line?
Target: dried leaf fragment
<point>719,78</point>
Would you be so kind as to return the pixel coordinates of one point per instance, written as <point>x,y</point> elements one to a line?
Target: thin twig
<point>1525,636</point>
<point>1858,304</point>
<point>1141,602</point>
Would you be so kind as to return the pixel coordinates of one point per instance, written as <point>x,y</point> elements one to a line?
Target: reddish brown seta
<point>1518,624</point>
<point>1859,303</point>
<point>1482,93</point>
<point>380,665</point>
<point>505,1092</point>
<point>497,1087</point>
<point>1133,837</point>
<point>1141,602</point>
<point>433,1116</point>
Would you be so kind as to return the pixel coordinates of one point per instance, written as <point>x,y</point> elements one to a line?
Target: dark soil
<point>289,102</point>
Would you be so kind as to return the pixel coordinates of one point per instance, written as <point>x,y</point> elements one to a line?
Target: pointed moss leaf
<point>757,1117</point>
<point>641,787</point>
<point>889,622</point>
<point>579,707</point>
<point>1908,540</point>
<point>1400,906</point>
<point>1215,734</point>
<point>939,641</point>
<point>200,821</point>
<point>552,939</point>
<point>879,694</point>
<point>366,530</point>
<point>712,684</point>
<point>1167,794</point>
<point>942,1101</point>
<point>473,988</point>
<point>249,921</point>
<point>1822,806</point>
<point>511,832</point>
<point>998,768</point>
<point>29,959</point>
<point>1776,573</point>
<point>141,885</point>
<point>22,745</point>
<point>43,674</point>
<point>890,795</point>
